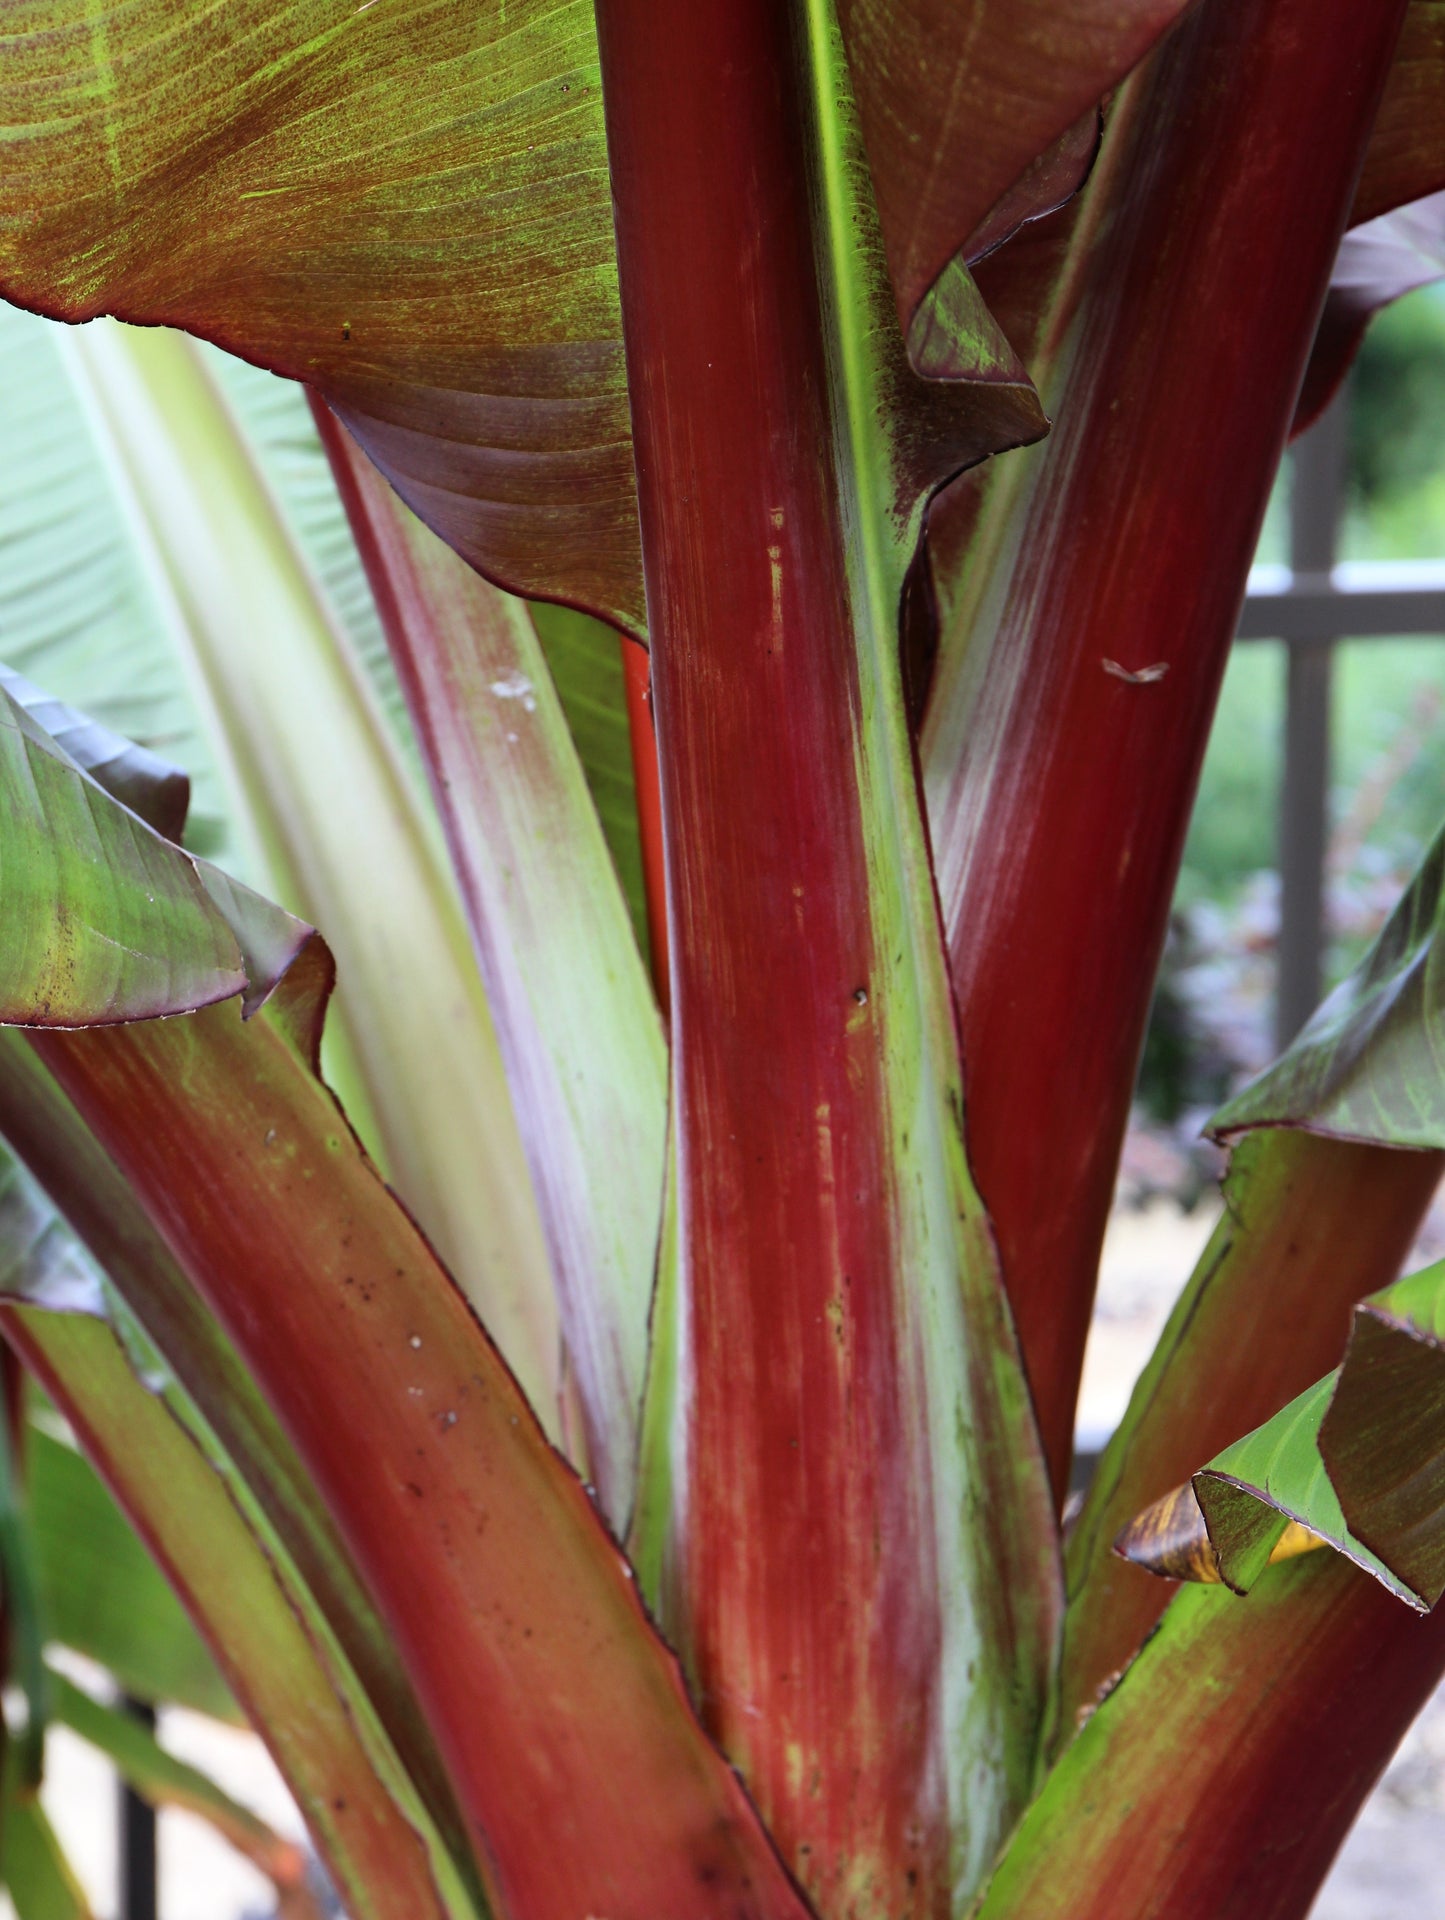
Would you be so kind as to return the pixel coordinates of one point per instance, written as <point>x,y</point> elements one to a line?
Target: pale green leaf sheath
<point>575,1012</point>
<point>337,826</point>
<point>78,616</point>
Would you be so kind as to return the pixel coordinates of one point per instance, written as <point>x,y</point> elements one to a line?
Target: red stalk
<point>1059,790</point>
<point>804,1578</point>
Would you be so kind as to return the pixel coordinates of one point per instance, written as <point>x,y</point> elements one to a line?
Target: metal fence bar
<point>1365,601</point>
<point>1316,497</point>
<point>139,1863</point>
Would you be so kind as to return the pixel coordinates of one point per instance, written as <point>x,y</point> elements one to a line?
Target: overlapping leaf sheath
<point>405,205</point>
<point>41,1126</point>
<point>316,1723</point>
<point>1310,1225</point>
<point>1076,684</point>
<point>575,1014</point>
<point>1315,1219</point>
<point>1356,1459</point>
<point>857,1560</point>
<point>1225,1769</point>
<point>586,1781</point>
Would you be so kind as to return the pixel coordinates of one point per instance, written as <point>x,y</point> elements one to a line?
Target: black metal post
<point>1316,497</point>
<point>139,1878</point>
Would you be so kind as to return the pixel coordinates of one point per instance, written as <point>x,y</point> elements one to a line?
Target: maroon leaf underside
<point>1312,1225</point>
<point>586,1782</point>
<point>1378,263</point>
<point>799,1430</point>
<point>1406,156</point>
<point>959,104</point>
<point>1059,792</point>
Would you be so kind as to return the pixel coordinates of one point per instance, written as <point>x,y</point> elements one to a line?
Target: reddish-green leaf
<point>403,204</point>
<point>561,1716</point>
<point>1075,687</point>
<point>1223,1771</point>
<point>253,1617</point>
<point>41,1126</point>
<point>1310,1226</point>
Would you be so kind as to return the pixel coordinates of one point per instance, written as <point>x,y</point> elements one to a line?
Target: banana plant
<point>564,1204</point>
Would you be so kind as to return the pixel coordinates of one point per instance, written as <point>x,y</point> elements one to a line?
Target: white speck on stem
<point>416,1339</point>
<point>1136,676</point>
<point>516,686</point>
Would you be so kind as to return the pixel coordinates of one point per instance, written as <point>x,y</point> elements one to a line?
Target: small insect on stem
<point>1140,677</point>
<point>346,329</point>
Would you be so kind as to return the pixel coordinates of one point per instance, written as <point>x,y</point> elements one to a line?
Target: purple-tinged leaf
<point>575,1014</point>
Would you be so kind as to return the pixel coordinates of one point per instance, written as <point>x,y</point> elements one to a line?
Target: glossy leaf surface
<point>575,1014</point>
<point>404,206</point>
